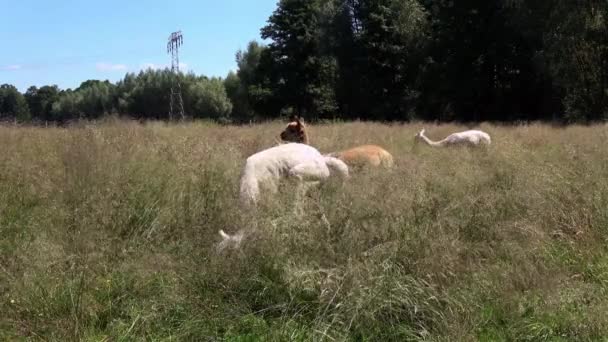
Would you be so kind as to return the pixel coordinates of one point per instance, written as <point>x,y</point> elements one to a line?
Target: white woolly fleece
<point>296,160</point>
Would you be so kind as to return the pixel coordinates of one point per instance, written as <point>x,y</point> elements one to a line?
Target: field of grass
<point>108,233</point>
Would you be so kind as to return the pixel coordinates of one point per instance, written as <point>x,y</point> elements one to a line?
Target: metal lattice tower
<point>176,105</point>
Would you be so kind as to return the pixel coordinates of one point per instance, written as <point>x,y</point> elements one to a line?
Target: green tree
<point>393,36</point>
<point>40,100</point>
<point>210,100</point>
<point>96,98</point>
<point>576,50</point>
<point>483,62</point>
<point>303,75</point>
<point>240,85</point>
<point>264,92</point>
<point>232,84</point>
<point>13,104</point>
<point>91,100</point>
<point>146,94</point>
<point>67,107</point>
<point>342,29</point>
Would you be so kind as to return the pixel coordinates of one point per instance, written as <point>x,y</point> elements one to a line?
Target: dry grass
<point>107,233</point>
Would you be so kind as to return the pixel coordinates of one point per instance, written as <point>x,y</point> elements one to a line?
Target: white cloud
<point>11,67</point>
<point>110,67</point>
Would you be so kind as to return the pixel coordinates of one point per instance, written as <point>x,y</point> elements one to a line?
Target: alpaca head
<point>337,167</point>
<point>419,136</point>
<point>295,131</point>
<point>229,241</point>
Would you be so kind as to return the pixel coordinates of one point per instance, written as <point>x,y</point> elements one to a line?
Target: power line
<point>175,41</point>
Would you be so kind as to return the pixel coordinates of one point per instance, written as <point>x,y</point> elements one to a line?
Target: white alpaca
<point>467,138</point>
<point>300,161</point>
<point>266,168</point>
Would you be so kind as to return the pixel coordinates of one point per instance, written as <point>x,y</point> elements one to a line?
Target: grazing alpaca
<point>357,156</point>
<point>365,155</point>
<point>300,161</point>
<point>466,138</point>
<point>266,168</point>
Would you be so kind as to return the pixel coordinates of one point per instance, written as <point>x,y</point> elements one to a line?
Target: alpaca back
<point>365,155</point>
<point>470,137</point>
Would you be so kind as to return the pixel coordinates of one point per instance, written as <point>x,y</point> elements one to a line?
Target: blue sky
<point>66,42</point>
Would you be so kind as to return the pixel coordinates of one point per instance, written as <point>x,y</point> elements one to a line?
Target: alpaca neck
<point>431,142</point>
<point>336,166</point>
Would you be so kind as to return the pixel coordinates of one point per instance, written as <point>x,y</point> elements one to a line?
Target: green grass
<point>108,233</point>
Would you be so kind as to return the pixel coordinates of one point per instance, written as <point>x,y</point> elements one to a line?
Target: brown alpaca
<point>373,155</point>
<point>295,131</point>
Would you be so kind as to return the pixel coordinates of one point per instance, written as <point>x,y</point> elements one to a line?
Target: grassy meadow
<point>108,233</point>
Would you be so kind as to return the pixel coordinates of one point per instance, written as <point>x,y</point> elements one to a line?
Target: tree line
<point>145,95</point>
<point>474,60</point>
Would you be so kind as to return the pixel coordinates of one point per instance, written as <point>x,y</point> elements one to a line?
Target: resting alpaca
<point>466,138</point>
<point>361,155</point>
<point>301,161</point>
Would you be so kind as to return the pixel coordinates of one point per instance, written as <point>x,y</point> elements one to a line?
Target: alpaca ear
<point>300,121</point>
<point>224,235</point>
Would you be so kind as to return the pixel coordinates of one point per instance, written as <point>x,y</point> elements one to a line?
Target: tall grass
<point>107,232</point>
